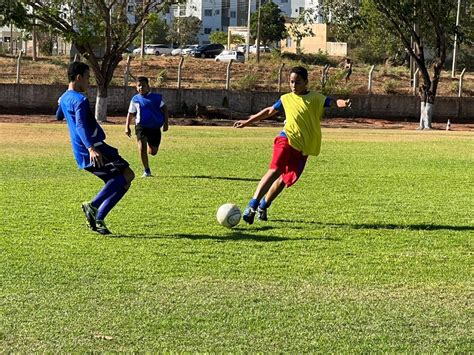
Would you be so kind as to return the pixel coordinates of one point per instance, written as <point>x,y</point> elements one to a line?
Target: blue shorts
<point>114,164</point>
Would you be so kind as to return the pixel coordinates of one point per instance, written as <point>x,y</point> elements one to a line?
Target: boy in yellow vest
<point>300,137</point>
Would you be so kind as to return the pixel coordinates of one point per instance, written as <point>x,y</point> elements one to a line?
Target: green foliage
<point>222,37</point>
<point>389,87</point>
<point>13,12</point>
<point>161,77</point>
<point>184,30</point>
<point>246,82</point>
<point>156,31</point>
<point>272,23</point>
<point>301,27</point>
<point>362,255</point>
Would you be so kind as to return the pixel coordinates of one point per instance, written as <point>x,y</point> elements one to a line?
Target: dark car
<point>208,50</point>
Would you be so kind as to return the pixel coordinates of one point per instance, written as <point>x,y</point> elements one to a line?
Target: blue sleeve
<point>327,102</point>
<point>82,109</point>
<point>279,106</point>
<point>59,113</point>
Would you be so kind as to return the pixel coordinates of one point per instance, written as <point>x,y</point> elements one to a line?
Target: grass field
<point>370,252</point>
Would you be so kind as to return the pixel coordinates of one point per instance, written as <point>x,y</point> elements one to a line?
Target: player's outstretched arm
<point>264,114</point>
<point>164,109</point>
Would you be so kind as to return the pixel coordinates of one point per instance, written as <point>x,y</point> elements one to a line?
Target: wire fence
<point>268,75</point>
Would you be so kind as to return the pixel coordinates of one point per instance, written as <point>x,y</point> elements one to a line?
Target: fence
<point>191,73</point>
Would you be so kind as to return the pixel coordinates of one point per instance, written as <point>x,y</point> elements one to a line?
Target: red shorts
<point>288,160</point>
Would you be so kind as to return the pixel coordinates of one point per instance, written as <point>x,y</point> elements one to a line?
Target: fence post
<point>18,64</point>
<point>181,61</point>
<point>415,81</point>
<point>227,78</point>
<point>370,79</point>
<point>461,77</point>
<point>279,76</point>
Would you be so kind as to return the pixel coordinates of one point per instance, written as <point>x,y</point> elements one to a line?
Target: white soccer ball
<point>228,215</point>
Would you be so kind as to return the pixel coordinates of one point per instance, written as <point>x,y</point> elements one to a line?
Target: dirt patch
<point>364,123</point>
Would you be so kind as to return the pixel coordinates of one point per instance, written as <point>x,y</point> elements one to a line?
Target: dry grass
<point>207,74</point>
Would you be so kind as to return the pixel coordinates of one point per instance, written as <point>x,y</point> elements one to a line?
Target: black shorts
<point>114,164</point>
<point>152,135</point>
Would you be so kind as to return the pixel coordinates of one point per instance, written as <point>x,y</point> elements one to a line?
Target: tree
<point>418,24</point>
<point>155,32</point>
<point>272,23</point>
<point>184,30</point>
<point>101,30</point>
<point>301,27</point>
<point>222,37</point>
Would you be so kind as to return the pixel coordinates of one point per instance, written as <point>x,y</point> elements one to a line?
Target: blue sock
<point>264,204</point>
<point>253,203</point>
<point>110,202</point>
<point>111,187</point>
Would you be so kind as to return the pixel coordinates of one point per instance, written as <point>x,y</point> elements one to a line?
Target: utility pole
<point>257,42</point>
<point>453,71</point>
<point>248,32</point>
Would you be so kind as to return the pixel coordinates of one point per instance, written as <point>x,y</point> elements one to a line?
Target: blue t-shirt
<point>148,110</point>
<point>84,130</point>
<point>279,107</point>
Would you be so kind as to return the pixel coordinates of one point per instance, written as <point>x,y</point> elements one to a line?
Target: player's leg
<point>263,186</point>
<point>276,188</point>
<point>142,143</point>
<point>154,140</point>
<point>142,148</point>
<point>117,176</point>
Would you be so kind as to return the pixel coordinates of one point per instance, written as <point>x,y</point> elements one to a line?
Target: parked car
<point>208,50</point>
<point>183,50</point>
<point>253,49</point>
<point>189,49</point>
<point>226,56</point>
<point>158,49</point>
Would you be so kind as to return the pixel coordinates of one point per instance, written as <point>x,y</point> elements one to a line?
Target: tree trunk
<point>426,114</point>
<point>101,104</point>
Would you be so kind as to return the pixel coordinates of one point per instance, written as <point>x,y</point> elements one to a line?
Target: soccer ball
<point>228,215</point>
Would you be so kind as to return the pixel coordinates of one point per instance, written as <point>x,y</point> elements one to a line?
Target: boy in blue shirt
<point>90,150</point>
<point>150,113</point>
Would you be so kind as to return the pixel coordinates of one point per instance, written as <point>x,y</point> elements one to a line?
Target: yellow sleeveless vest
<point>303,116</point>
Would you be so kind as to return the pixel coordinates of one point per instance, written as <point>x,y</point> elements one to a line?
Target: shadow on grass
<point>416,227</point>
<point>231,178</point>
<point>235,234</point>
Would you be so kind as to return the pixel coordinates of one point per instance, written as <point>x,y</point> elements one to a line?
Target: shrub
<point>367,55</point>
<point>389,87</point>
<point>161,77</point>
<point>246,82</point>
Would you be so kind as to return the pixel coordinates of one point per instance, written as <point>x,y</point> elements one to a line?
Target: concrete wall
<point>43,98</point>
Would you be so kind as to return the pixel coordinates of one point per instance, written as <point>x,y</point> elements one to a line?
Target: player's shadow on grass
<point>231,235</point>
<point>231,178</point>
<point>416,227</point>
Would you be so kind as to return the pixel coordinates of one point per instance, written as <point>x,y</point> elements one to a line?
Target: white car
<point>183,50</point>
<point>263,49</point>
<point>189,49</point>
<point>226,56</point>
<point>158,49</point>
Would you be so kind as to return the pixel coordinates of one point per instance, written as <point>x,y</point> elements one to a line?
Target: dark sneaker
<point>101,228</point>
<point>262,214</point>
<point>91,213</point>
<point>249,215</point>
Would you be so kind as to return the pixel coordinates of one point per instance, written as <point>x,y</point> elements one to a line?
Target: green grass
<point>370,252</point>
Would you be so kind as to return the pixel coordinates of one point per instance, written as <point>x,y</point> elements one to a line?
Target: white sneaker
<point>145,175</point>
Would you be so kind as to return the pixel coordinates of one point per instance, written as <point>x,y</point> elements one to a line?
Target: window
<point>207,12</point>
<point>217,12</point>
<point>233,14</point>
<point>182,11</point>
<point>130,8</point>
<point>284,1</point>
<point>288,42</point>
<point>301,10</point>
<point>207,30</point>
